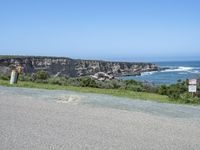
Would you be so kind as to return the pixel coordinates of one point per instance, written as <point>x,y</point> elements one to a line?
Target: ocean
<point>177,70</point>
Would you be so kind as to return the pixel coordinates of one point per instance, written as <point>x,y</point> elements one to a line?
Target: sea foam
<point>148,73</point>
<point>179,69</point>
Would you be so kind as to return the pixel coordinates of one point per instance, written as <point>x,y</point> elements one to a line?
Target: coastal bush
<point>132,82</point>
<point>54,81</point>
<point>23,77</point>
<point>140,87</point>
<point>41,81</point>
<point>4,77</point>
<point>104,85</point>
<point>41,75</point>
<point>137,88</point>
<point>163,90</point>
<point>150,88</point>
<point>187,98</point>
<point>58,80</point>
<point>178,91</point>
<point>174,91</point>
<point>73,82</point>
<point>87,82</point>
<point>198,87</point>
<point>116,84</point>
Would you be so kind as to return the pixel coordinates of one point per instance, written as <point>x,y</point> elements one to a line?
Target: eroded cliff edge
<point>62,66</point>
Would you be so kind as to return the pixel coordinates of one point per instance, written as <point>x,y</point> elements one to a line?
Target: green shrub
<point>174,92</point>
<point>41,75</point>
<point>58,81</point>
<point>117,84</point>
<point>189,99</point>
<point>150,88</point>
<point>23,77</point>
<point>132,82</point>
<point>87,82</point>
<point>104,85</point>
<point>163,90</point>
<point>73,82</point>
<point>4,77</point>
<point>40,81</point>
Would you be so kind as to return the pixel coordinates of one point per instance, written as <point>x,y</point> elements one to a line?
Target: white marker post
<point>192,87</point>
<point>13,78</point>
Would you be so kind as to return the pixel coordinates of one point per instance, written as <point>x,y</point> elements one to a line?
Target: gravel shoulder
<point>43,119</point>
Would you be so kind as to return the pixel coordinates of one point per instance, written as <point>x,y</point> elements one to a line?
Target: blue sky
<point>128,30</point>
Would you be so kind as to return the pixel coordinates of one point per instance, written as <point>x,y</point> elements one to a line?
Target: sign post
<point>192,87</point>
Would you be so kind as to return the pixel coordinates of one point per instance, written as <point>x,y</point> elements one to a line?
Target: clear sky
<point>128,30</point>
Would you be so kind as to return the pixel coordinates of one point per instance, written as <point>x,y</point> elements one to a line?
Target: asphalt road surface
<point>33,119</point>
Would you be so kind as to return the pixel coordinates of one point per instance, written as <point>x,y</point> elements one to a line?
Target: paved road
<point>36,122</point>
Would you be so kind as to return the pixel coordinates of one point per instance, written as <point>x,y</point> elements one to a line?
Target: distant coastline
<point>177,70</point>
<point>64,66</point>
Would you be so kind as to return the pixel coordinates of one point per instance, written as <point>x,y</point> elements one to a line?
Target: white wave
<point>179,69</point>
<point>194,71</point>
<point>148,73</point>
<point>183,73</point>
<point>196,67</point>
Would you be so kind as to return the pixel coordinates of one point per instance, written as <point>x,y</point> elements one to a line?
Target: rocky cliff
<point>61,66</point>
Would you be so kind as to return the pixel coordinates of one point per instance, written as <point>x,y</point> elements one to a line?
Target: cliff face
<point>58,66</point>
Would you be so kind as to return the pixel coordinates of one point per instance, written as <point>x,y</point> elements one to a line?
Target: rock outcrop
<point>61,66</point>
<point>102,76</point>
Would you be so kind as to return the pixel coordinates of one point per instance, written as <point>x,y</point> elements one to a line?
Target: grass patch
<point>113,92</point>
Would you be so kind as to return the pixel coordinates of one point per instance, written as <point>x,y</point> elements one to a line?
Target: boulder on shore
<point>102,76</point>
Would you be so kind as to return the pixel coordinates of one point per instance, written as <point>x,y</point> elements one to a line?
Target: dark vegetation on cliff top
<point>177,93</point>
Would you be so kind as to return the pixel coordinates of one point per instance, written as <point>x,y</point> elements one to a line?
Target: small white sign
<point>193,81</point>
<point>192,88</point>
